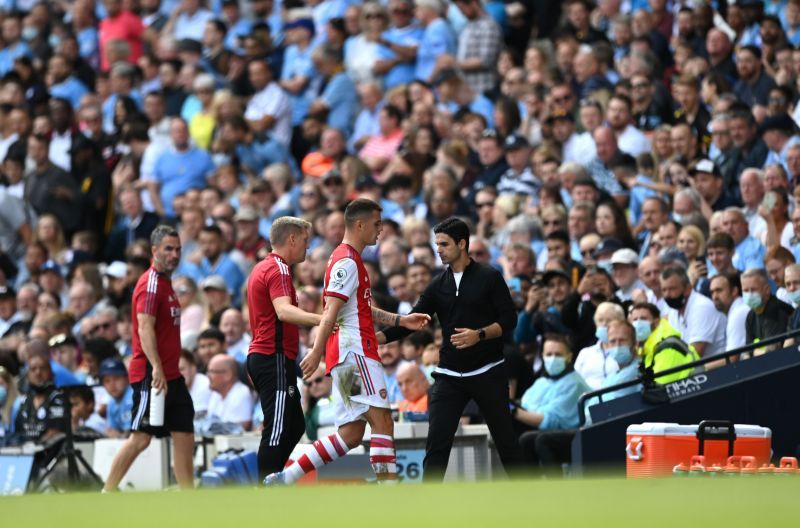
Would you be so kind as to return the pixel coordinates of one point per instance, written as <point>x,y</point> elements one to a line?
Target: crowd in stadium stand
<point>632,167</point>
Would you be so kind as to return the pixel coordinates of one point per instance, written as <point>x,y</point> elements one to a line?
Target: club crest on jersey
<point>290,390</point>
<point>383,393</point>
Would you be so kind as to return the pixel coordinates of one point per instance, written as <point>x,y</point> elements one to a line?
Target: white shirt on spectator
<point>59,149</point>
<point>700,323</point>
<point>632,141</point>
<point>238,350</point>
<point>200,392</point>
<point>594,365</point>
<point>580,148</point>
<point>273,101</point>
<point>735,335</point>
<point>236,407</point>
<point>192,26</point>
<point>5,143</point>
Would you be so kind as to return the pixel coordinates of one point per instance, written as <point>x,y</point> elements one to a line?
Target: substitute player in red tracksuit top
<point>274,319</point>
<point>156,350</point>
<point>359,391</point>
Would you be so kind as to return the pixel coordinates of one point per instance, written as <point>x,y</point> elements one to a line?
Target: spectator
<point>768,315</point>
<point>237,340</point>
<point>196,382</point>
<point>86,423</point>
<point>40,414</point>
<point>114,377</point>
<point>692,314</point>
<point>270,108</point>
<point>179,169</point>
<point>437,38</point>
<point>338,100</point>
<point>478,47</point>
<point>622,349</point>
<point>231,401</point>
<point>414,388</point>
<point>298,67</point>
<point>726,292</point>
<point>749,252</point>
<point>594,363</point>
<point>119,25</point>
<point>397,52</point>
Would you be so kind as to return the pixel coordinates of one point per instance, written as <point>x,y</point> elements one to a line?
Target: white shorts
<point>358,384</point>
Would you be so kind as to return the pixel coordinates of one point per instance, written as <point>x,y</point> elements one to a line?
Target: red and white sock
<point>382,457</point>
<point>323,451</point>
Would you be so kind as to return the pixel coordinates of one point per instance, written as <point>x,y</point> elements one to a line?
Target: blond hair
<point>285,226</point>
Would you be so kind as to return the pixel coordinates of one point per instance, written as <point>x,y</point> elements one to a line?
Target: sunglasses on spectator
<point>333,181</point>
<point>371,16</point>
<point>101,326</point>
<point>551,222</point>
<point>313,381</point>
<point>563,98</point>
<point>484,204</point>
<point>587,252</point>
<point>489,133</point>
<point>309,194</point>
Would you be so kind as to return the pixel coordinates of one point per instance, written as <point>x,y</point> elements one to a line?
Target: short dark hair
<point>212,333</point>
<point>188,357</point>
<point>393,112</point>
<point>559,234</point>
<point>721,240</point>
<point>161,232</point>
<point>734,279</point>
<point>650,307</point>
<point>668,273</point>
<point>212,228</point>
<point>455,228</point>
<point>83,393</point>
<point>358,209</point>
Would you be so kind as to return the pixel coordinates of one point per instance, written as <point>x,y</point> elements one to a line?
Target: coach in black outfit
<point>475,310</point>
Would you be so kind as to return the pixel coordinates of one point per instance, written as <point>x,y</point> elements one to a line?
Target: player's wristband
<point>396,321</point>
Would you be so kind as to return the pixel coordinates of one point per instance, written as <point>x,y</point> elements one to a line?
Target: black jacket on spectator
<point>122,235</point>
<point>31,423</point>
<point>774,320</point>
<point>56,192</point>
<point>755,93</point>
<point>754,155</point>
<point>481,299</point>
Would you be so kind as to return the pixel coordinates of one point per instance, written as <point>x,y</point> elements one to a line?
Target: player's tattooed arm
<point>414,321</point>
<point>383,317</point>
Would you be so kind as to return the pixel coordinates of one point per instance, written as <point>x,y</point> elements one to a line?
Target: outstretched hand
<point>415,321</point>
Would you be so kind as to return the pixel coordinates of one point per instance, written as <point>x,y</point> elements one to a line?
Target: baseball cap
<point>246,214</point>
<point>704,165</point>
<point>606,246</point>
<point>516,141</point>
<point>781,122</point>
<point>112,367</point>
<point>550,274</point>
<point>50,265</point>
<point>7,292</point>
<point>214,282</point>
<point>61,339</point>
<point>625,256</point>
<point>117,269</point>
<point>303,23</point>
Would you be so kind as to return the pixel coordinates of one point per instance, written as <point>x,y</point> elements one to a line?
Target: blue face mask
<point>601,333</point>
<point>621,354</point>
<point>554,365</point>
<point>752,299</point>
<point>795,296</point>
<point>54,41</point>
<point>3,395</point>
<point>30,33</point>
<point>643,330</point>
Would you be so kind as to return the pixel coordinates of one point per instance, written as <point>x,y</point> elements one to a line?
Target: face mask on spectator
<point>621,354</point>
<point>795,296</point>
<point>54,41</point>
<point>554,365</point>
<point>752,299</point>
<point>676,303</point>
<point>601,333</point>
<point>30,32</point>
<point>643,330</point>
<point>681,219</point>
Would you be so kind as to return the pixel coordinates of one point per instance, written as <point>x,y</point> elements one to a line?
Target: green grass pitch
<point>757,502</point>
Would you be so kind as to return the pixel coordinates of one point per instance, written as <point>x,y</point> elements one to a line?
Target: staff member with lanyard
<point>475,310</point>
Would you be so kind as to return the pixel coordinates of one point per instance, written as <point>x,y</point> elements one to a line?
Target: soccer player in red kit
<point>359,390</point>
<point>156,350</point>
<point>274,319</point>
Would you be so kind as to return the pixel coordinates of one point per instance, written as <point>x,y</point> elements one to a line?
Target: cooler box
<point>653,449</point>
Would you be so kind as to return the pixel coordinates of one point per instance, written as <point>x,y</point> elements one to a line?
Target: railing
<point>693,365</point>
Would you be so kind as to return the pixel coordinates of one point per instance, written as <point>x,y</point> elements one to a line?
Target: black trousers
<point>548,450</point>
<point>275,381</point>
<point>446,401</point>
